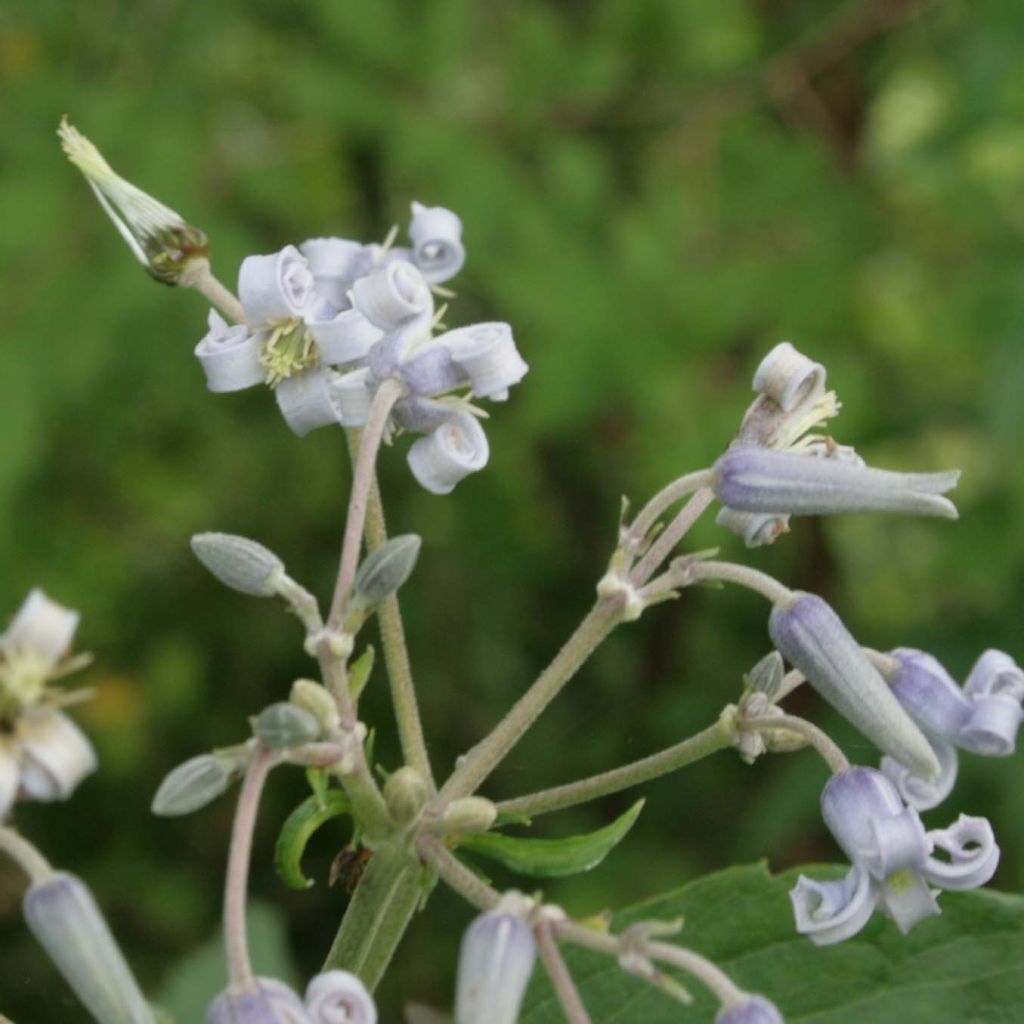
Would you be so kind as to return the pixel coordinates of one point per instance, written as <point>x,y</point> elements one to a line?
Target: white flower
<point>337,997</point>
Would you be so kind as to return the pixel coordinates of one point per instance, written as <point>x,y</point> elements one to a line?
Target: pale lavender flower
<point>265,1001</point>
<point>752,479</point>
<point>63,916</point>
<point>984,717</point>
<point>893,860</point>
<point>337,997</point>
<point>809,634</point>
<point>756,1010</point>
<point>495,964</point>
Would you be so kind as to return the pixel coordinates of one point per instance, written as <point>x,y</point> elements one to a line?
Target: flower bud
<point>317,700</point>
<point>285,725</point>
<point>495,964</point>
<point>337,997</point>
<point>809,634</point>
<point>386,569</point>
<point>405,793</point>
<point>63,916</point>
<point>239,563</point>
<point>469,815</point>
<point>755,1010</point>
<point>766,676</point>
<point>194,783</point>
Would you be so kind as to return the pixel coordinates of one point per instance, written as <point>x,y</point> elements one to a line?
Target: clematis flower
<point>785,482</point>
<point>43,754</point>
<point>62,914</point>
<point>984,717</point>
<point>809,634</point>
<point>495,964</point>
<point>894,861</point>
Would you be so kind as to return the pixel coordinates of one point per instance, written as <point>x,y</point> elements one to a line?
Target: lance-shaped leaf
<point>553,858</point>
<point>299,828</point>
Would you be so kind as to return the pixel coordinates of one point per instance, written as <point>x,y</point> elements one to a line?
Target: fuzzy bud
<point>194,783</point>
<point>315,698</point>
<point>283,725</point>
<point>405,793</point>
<point>239,563</point>
<point>469,815</point>
<point>387,568</point>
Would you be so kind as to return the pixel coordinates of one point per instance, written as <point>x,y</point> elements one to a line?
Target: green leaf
<point>965,965</point>
<point>553,858</point>
<point>298,829</point>
<point>359,672</point>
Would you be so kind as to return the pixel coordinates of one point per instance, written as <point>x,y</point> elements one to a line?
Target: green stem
<point>392,636</point>
<point>672,535</point>
<point>712,739</point>
<point>729,572</point>
<point>489,752</point>
<point>382,906</point>
<point>25,855</point>
<point>456,875</point>
<point>820,741</point>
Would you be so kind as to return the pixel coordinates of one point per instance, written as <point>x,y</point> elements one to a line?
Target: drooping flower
<point>265,1001</point>
<point>495,963</point>
<point>983,717</point>
<point>809,634</point>
<point>63,916</point>
<point>43,754</point>
<point>766,481</point>
<point>894,862</point>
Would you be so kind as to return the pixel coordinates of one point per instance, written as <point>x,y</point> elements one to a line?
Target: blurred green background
<point>654,192</point>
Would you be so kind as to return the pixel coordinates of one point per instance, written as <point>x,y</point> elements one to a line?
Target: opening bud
<point>239,563</point>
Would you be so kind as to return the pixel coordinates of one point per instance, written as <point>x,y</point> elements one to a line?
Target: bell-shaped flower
<point>264,1001</point>
<point>809,634</point>
<point>984,717</point>
<point>337,997</point>
<point>894,861</point>
<point>495,963</point>
<point>752,479</point>
<point>63,916</point>
<point>755,1010</point>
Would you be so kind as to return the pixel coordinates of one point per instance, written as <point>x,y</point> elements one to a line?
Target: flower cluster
<point>329,322</point>
<point>43,754</point>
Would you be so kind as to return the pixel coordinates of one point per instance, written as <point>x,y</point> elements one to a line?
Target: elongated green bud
<point>239,563</point>
<point>387,568</point>
<point>194,784</point>
<point>285,725</point>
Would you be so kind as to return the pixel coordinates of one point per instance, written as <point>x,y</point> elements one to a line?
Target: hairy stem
<point>489,752</point>
<point>377,916</point>
<point>826,747</point>
<point>362,477</point>
<point>455,874</point>
<point>561,980</point>
<point>392,638</point>
<point>672,535</point>
<point>664,499</point>
<point>237,883</point>
<point>716,737</point>
<point>25,855</point>
<point>703,970</point>
<point>197,275</point>
<point>729,572</point>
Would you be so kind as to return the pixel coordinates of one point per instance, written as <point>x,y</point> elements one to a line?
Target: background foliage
<point>654,192</point>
